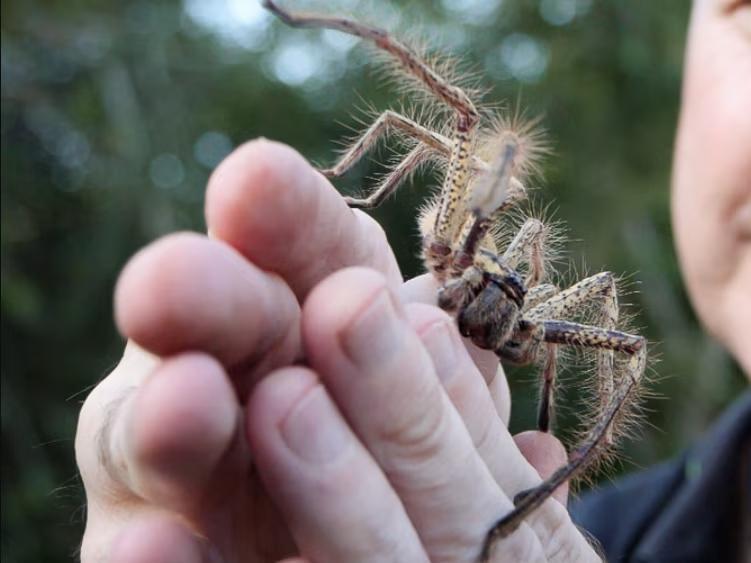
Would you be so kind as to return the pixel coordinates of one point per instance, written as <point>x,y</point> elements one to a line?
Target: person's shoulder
<point>688,509</point>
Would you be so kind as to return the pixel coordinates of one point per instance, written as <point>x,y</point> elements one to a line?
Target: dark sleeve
<point>693,509</point>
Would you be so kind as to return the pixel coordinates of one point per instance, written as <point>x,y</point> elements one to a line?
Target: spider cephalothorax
<point>501,297</point>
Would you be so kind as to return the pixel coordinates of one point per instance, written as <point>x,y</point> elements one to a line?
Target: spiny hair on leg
<point>630,421</point>
<point>582,396</point>
<point>398,167</point>
<point>365,113</point>
<point>556,237</point>
<point>427,214</point>
<point>453,71</point>
<point>627,424</point>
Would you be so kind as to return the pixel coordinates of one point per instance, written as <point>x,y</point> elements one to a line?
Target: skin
<point>712,172</point>
<point>209,435</point>
<point>209,442</point>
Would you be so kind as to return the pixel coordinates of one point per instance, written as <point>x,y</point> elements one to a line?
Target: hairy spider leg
<point>574,334</point>
<point>391,182</point>
<point>451,206</point>
<point>386,122</point>
<point>601,286</point>
<point>529,245</point>
<point>448,93</point>
<point>537,294</point>
<point>389,121</point>
<point>515,194</point>
<point>546,405</point>
<point>450,211</point>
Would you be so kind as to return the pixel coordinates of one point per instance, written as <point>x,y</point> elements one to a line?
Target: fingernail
<point>443,346</point>
<point>314,430</point>
<point>376,333</point>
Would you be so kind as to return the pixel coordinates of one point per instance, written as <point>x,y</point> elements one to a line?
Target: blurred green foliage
<point>115,113</point>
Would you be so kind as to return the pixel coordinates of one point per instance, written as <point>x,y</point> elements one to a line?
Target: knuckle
<point>558,540</point>
<point>418,432</point>
<point>99,464</point>
<point>486,436</point>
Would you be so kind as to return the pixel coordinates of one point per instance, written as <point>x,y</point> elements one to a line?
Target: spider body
<point>487,305</point>
<point>501,298</point>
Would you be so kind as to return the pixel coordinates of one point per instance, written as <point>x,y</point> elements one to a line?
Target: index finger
<point>271,205</point>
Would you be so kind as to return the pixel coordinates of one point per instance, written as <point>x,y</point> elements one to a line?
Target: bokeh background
<point>115,113</point>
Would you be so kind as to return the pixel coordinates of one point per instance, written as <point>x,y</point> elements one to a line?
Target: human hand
<point>206,443</point>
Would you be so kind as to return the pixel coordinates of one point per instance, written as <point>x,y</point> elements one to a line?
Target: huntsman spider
<point>501,299</point>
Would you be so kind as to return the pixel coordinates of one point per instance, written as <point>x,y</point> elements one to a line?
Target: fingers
<point>500,394</point>
<point>186,292</point>
<point>159,538</point>
<point>374,365</point>
<point>170,439</point>
<point>424,289</point>
<point>469,394</point>
<point>266,201</point>
<point>336,500</point>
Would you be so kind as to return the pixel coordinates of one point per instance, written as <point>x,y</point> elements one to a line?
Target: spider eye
<point>514,280</point>
<point>512,286</point>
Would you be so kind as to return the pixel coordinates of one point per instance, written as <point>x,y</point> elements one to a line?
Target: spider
<point>501,300</point>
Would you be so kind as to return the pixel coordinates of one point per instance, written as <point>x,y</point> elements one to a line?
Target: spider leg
<point>393,180</point>
<point>566,302</point>
<point>386,122</point>
<point>448,93</point>
<point>389,120</point>
<point>452,203</point>
<point>563,332</point>
<point>451,209</point>
<point>600,286</point>
<point>529,245</point>
<point>545,407</point>
<point>516,192</point>
<point>474,232</point>
<point>538,294</point>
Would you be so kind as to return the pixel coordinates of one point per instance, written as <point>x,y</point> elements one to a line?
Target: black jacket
<point>694,509</point>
